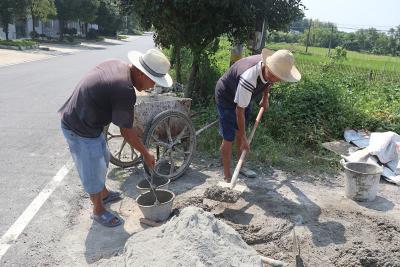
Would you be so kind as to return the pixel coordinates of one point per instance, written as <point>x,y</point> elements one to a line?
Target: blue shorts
<point>227,122</point>
<point>91,157</point>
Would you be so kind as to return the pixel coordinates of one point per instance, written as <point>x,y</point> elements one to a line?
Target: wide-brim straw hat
<point>281,64</point>
<point>154,64</point>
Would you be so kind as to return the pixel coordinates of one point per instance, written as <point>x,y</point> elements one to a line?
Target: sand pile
<point>194,238</point>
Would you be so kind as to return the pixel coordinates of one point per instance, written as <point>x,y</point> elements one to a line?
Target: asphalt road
<point>33,149</point>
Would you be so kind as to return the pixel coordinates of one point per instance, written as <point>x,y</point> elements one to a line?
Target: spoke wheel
<point>172,140</point>
<point>122,154</point>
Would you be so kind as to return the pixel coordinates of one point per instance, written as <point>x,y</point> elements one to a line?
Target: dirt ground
<point>332,230</point>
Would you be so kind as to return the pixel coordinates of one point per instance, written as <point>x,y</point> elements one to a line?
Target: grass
<point>266,151</point>
<point>17,42</point>
<point>354,59</point>
<point>122,37</point>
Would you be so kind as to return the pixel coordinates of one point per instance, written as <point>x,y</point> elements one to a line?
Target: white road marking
<point>19,225</point>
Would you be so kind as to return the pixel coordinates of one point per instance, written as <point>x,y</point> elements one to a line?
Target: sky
<point>348,14</point>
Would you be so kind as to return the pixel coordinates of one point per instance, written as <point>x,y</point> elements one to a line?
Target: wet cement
<point>223,194</point>
<point>383,251</point>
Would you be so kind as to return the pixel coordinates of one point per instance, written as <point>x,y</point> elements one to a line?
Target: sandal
<point>112,196</point>
<point>106,219</point>
<point>248,173</point>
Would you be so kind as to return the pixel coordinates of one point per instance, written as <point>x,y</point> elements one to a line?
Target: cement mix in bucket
<point>194,238</point>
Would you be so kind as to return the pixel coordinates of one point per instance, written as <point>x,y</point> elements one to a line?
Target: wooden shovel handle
<point>243,155</point>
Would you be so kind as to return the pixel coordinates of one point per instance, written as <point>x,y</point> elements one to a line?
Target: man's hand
<point>149,160</point>
<point>264,103</point>
<point>133,139</point>
<point>244,145</point>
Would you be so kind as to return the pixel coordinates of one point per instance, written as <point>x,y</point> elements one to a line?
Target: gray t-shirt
<point>105,94</point>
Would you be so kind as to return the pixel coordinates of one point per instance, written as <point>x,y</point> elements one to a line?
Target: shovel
<point>152,186</point>
<point>239,165</point>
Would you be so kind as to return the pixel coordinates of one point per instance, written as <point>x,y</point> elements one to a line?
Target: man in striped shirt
<point>242,82</point>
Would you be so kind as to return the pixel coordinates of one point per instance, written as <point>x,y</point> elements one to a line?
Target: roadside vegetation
<point>301,116</point>
<point>18,42</point>
<point>111,17</point>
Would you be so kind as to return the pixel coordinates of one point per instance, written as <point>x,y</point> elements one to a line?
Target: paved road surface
<point>32,147</point>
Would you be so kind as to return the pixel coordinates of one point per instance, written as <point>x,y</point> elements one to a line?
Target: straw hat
<point>154,64</point>
<point>281,64</point>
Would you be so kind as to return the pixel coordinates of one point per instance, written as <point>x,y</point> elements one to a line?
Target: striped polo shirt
<point>241,83</point>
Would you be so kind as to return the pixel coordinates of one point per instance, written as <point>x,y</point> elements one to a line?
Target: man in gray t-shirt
<point>107,94</point>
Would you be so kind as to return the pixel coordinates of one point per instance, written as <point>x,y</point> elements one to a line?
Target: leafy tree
<point>300,25</point>
<point>392,41</point>
<point>197,24</point>
<point>40,9</point>
<point>9,9</point>
<point>87,12</point>
<point>132,19</point>
<point>276,15</point>
<point>109,17</point>
<point>66,10</point>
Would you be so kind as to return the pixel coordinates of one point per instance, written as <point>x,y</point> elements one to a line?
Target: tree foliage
<point>364,40</point>
<point>66,10</point>
<point>40,9</point>
<point>197,24</point>
<point>109,17</point>
<point>9,10</point>
<point>87,12</point>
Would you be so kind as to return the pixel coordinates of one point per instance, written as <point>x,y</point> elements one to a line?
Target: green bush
<point>92,34</point>
<point>70,38</point>
<point>34,34</point>
<point>322,105</point>
<point>17,42</point>
<point>70,31</point>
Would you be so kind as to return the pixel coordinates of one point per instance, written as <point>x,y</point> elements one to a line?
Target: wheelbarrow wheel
<point>172,139</point>
<point>121,153</point>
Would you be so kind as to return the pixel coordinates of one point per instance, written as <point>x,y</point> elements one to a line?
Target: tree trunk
<point>6,31</point>
<point>264,35</point>
<point>61,22</point>
<point>258,35</point>
<point>178,64</point>
<point>193,75</point>
<point>33,21</point>
<point>236,52</point>
<point>33,24</point>
<point>86,28</point>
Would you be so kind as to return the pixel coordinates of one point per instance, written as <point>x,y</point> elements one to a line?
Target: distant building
<point>23,27</point>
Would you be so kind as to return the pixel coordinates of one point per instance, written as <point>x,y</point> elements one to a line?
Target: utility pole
<point>308,35</point>
<point>330,42</point>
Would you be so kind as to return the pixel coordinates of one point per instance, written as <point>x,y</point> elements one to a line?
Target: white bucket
<point>362,180</point>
